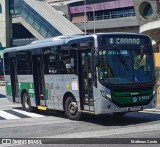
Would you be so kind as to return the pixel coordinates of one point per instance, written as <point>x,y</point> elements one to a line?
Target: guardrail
<point>111,16</point>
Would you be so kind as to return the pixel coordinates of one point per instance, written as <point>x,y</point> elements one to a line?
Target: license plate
<point>135,108</point>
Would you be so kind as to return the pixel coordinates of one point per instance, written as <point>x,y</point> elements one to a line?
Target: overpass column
<point>5,25</point>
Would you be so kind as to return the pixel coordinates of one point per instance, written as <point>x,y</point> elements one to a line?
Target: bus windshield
<point>126,66</point>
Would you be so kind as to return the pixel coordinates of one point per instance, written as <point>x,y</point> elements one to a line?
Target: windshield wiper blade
<point>121,58</point>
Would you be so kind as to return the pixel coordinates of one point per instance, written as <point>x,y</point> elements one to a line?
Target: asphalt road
<point>54,127</point>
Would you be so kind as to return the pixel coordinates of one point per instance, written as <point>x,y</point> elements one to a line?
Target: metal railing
<point>22,41</point>
<point>111,16</point>
<point>34,19</point>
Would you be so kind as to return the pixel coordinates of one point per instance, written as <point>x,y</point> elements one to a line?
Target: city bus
<point>95,74</point>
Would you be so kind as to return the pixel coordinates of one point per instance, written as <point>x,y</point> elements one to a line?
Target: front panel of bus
<point>126,79</point>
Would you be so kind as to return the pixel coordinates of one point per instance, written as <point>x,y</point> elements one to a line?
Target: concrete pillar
<point>4,24</point>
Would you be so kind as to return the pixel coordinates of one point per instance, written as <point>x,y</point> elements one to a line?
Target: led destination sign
<point>123,40</point>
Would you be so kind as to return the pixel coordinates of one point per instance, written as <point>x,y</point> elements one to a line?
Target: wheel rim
<point>26,101</point>
<point>73,108</point>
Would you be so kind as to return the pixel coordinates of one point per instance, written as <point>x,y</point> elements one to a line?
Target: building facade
<point>148,17</point>
<point>4,24</point>
<point>100,15</point>
<point>34,19</point>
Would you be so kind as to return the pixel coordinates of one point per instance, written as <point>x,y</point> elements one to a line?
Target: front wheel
<point>71,109</point>
<point>26,103</point>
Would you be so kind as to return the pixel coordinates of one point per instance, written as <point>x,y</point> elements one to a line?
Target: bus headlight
<point>154,90</point>
<point>106,95</point>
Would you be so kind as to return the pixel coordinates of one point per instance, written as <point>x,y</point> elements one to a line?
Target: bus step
<point>86,111</point>
<point>42,108</point>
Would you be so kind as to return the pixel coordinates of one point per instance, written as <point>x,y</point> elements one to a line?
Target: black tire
<point>26,103</point>
<point>119,114</point>
<point>71,109</point>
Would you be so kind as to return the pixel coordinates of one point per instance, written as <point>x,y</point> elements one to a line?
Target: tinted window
<point>68,61</point>
<point>126,66</point>
<point>6,63</point>
<point>1,67</point>
<point>0,8</point>
<point>60,60</point>
<point>24,64</point>
<point>50,58</point>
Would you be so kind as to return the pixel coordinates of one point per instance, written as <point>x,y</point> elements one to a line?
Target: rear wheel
<point>71,109</point>
<point>26,103</point>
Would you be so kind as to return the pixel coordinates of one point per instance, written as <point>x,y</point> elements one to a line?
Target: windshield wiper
<point>121,58</point>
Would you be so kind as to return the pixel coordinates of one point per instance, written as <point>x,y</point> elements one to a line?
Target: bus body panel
<point>101,102</point>
<point>8,88</point>
<point>55,84</point>
<point>71,85</point>
<point>25,82</point>
<point>104,105</point>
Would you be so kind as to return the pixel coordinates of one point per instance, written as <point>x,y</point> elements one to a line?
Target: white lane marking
<point>8,115</point>
<point>28,113</point>
<point>152,110</point>
<point>105,133</point>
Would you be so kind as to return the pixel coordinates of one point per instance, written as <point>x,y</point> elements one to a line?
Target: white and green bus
<point>97,74</point>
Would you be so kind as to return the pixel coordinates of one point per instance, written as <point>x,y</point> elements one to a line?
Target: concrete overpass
<point>38,17</point>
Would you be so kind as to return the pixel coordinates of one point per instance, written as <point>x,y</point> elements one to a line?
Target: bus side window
<point>50,62</point>
<point>73,55</point>
<point>24,64</point>
<point>64,61</point>
<point>68,61</point>
<point>6,63</point>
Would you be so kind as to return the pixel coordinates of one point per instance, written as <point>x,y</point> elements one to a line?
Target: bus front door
<point>38,78</point>
<point>14,79</point>
<point>85,81</point>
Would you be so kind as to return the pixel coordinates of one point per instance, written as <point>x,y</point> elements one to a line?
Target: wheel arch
<point>67,94</point>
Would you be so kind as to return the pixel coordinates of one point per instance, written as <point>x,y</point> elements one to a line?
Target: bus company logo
<point>135,99</point>
<point>6,141</point>
<point>134,93</point>
<point>111,40</point>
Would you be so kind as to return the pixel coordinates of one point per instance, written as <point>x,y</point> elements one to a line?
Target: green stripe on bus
<point>133,99</point>
<point>119,94</point>
<point>8,89</point>
<point>28,86</point>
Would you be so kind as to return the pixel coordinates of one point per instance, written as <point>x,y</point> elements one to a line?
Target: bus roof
<point>48,42</point>
<point>61,40</point>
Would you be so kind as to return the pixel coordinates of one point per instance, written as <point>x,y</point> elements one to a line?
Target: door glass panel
<point>14,80</point>
<point>38,76</point>
<point>86,79</point>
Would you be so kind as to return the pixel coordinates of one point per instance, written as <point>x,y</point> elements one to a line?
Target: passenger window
<point>24,64</point>
<point>60,60</point>
<point>50,61</point>
<point>68,61</point>
<point>6,64</point>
